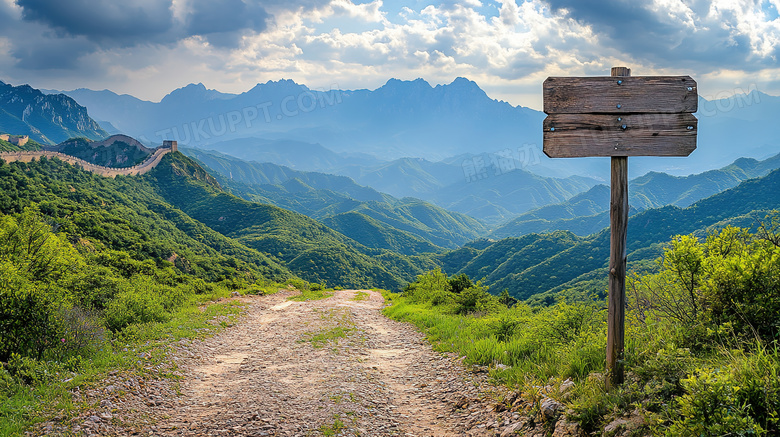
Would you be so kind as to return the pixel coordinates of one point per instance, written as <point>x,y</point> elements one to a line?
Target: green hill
<point>372,233</point>
<point>587,212</point>
<point>116,151</point>
<point>295,240</point>
<point>178,213</point>
<point>567,259</point>
<point>128,214</point>
<point>323,196</point>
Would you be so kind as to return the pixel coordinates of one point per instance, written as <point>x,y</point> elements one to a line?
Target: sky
<point>147,48</point>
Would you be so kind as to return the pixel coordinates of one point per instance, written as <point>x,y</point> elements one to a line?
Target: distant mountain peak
<point>194,92</point>
<point>398,84</point>
<point>463,85</point>
<point>462,81</point>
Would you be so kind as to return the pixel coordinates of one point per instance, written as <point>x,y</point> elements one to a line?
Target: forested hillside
<point>117,151</point>
<point>585,258</point>
<point>331,198</point>
<point>309,248</point>
<point>587,212</point>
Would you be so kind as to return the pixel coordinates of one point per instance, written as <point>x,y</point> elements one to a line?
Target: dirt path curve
<point>334,366</point>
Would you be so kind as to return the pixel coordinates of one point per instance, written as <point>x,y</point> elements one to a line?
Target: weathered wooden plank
<point>620,95</point>
<point>580,135</point>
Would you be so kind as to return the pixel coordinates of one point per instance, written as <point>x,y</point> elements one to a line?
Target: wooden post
<point>618,222</point>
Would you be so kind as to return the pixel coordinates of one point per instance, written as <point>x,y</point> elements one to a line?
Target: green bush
<point>460,282</point>
<point>740,398</point>
<point>28,321</point>
<point>476,300</point>
<point>29,370</point>
<point>732,279</point>
<point>432,287</point>
<point>298,284</point>
<point>94,286</point>
<point>135,306</point>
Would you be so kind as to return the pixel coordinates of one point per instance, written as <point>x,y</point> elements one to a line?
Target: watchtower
<point>171,144</point>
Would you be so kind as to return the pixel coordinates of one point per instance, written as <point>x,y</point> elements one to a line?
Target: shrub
<point>741,398</point>
<point>431,287</point>
<point>29,370</point>
<point>298,284</point>
<point>504,327</point>
<point>732,279</point>
<point>83,333</point>
<point>28,322</point>
<point>134,306</point>
<point>37,253</point>
<point>94,286</point>
<point>459,283</point>
<point>476,299</point>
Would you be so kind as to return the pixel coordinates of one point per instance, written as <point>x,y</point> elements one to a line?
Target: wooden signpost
<point>619,116</point>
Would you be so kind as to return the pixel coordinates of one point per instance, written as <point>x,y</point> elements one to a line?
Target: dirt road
<point>334,366</point>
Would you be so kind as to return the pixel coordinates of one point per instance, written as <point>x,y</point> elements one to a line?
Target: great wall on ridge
<point>142,168</point>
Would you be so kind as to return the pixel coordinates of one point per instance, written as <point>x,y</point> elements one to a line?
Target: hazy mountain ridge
<point>401,118</point>
<point>492,195</point>
<point>414,119</point>
<point>587,212</point>
<point>322,196</point>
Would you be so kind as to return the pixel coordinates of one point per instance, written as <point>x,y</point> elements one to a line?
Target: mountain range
<point>493,195</point>
<point>351,235</point>
<point>378,220</point>
<point>411,119</point>
<point>588,212</point>
<point>543,266</point>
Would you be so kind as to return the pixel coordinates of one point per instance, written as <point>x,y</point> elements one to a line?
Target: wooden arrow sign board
<point>620,116</point>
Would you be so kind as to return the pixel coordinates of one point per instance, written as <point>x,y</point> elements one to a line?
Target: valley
<point>273,285</point>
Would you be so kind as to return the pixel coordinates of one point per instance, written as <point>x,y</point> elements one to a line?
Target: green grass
<point>334,429</point>
<point>22,406</point>
<point>360,296</point>
<point>319,339</point>
<point>307,295</point>
<point>681,380</point>
<point>342,327</point>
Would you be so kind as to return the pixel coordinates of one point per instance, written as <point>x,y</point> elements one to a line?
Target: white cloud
<point>508,52</point>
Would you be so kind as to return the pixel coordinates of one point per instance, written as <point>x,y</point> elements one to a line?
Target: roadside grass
<point>140,350</point>
<point>694,379</point>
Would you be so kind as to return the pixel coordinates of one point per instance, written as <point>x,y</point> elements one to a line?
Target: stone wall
<point>144,167</point>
